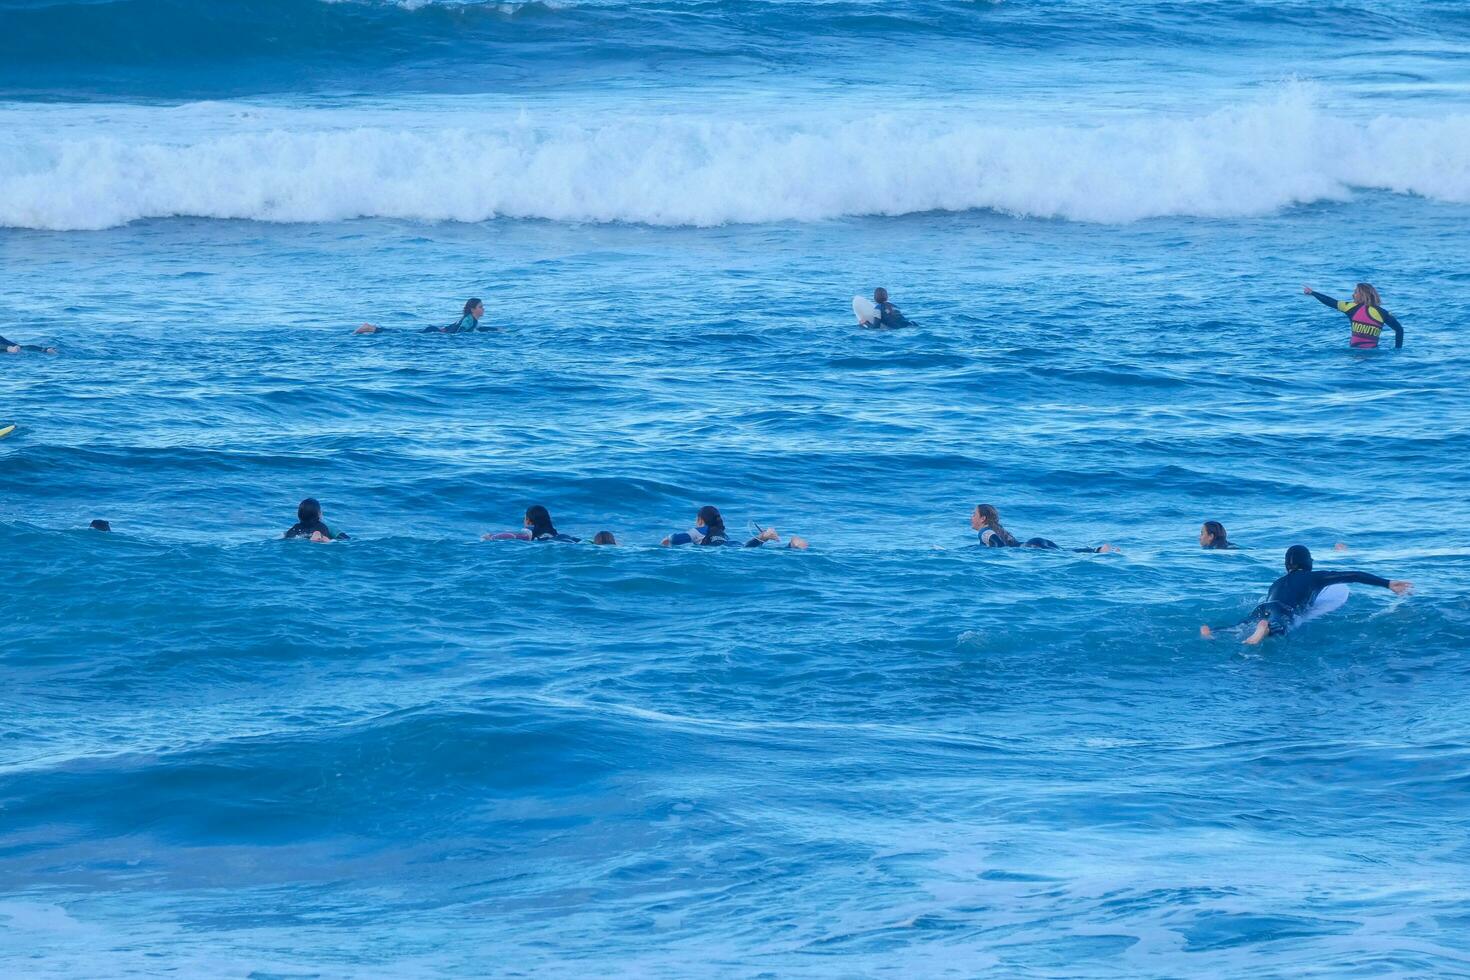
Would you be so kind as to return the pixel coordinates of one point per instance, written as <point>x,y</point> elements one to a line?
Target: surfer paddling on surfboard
<point>879,314</point>
<point>1292,595</point>
<point>468,322</point>
<point>11,347</point>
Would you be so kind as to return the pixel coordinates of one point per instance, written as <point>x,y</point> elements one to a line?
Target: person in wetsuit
<point>468,322</point>
<point>1367,315</point>
<point>309,523</point>
<point>1212,537</point>
<point>986,520</point>
<point>1293,593</point>
<point>889,316</point>
<point>537,526</point>
<point>11,347</point>
<point>538,522</point>
<point>709,531</point>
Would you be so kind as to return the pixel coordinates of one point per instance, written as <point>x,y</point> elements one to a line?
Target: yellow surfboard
<point>6,431</point>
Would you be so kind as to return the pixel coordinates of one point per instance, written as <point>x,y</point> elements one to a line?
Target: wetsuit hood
<point>1298,558</point>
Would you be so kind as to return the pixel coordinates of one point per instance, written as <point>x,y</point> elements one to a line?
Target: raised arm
<point>1326,300</point>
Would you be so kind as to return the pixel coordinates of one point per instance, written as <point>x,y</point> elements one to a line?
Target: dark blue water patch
<point>173,49</point>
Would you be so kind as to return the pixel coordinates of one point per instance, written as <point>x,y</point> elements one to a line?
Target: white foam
<point>67,168</point>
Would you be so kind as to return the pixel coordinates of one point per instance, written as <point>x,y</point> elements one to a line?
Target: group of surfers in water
<point>1365,314</point>
<point>1287,600</point>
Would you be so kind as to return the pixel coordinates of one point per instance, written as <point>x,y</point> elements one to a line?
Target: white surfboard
<point>864,310</point>
<point>1327,600</point>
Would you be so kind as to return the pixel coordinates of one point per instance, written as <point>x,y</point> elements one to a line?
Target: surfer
<point>309,523</point>
<point>604,537</point>
<point>889,316</point>
<point>538,522</point>
<point>11,347</point>
<point>1212,536</point>
<point>1293,593</point>
<point>100,525</point>
<point>709,530</point>
<point>986,520</point>
<point>1367,315</point>
<point>537,527</point>
<point>468,322</point>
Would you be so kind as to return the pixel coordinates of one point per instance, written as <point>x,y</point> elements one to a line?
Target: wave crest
<point>705,171</point>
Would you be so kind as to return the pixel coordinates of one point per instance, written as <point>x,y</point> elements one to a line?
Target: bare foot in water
<point>1263,629</point>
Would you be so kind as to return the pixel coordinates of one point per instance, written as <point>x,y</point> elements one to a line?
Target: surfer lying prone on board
<point>1293,594</point>
<point>309,524</point>
<point>468,322</point>
<point>538,527</point>
<point>709,531</point>
<point>11,347</point>
<point>986,520</point>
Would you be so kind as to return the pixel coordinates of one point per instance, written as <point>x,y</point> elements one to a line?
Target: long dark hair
<point>540,519</point>
<point>992,522</point>
<point>309,510</point>
<point>1216,531</point>
<point>714,524</point>
<point>469,304</point>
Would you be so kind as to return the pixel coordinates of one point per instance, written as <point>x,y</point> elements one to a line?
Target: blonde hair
<point>1365,293</point>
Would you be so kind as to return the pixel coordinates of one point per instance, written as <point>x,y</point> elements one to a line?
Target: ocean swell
<point>706,171</point>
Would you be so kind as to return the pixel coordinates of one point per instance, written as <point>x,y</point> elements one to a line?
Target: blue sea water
<point>418,754</point>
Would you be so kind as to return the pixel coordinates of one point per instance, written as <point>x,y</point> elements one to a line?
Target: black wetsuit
<point>1367,322</point>
<point>551,534</point>
<point>305,529</point>
<point>1218,545</point>
<point>715,540</point>
<point>991,538</point>
<point>1292,593</point>
<point>5,344</point>
<point>889,316</point>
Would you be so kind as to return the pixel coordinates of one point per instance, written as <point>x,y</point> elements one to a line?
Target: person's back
<point>1365,314</point>
<point>889,316</point>
<point>1292,593</point>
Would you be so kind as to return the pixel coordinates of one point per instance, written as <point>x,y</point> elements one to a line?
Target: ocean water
<point>414,753</point>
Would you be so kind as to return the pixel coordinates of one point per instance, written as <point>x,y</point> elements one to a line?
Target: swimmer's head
<point>709,518</point>
<point>538,519</point>
<point>880,295</point>
<point>1298,558</point>
<point>309,510</point>
<point>983,517</point>
<point>100,525</point>
<point>604,537</point>
<point>1212,535</point>
<point>473,307</point>
<point>1365,293</point>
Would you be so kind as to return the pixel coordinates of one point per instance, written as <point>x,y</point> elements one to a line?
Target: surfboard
<point>1329,599</point>
<point>6,431</point>
<point>864,310</point>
